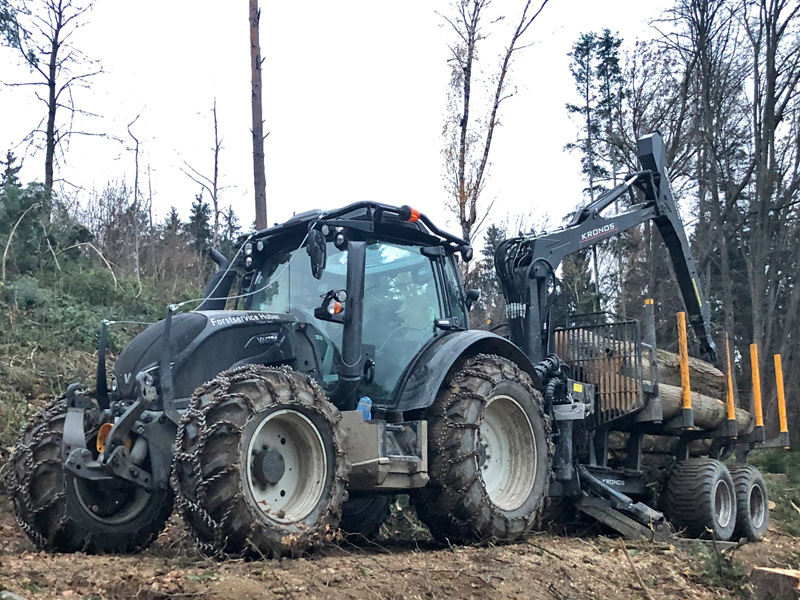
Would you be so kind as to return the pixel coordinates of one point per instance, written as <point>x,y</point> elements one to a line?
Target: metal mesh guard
<point>605,350</point>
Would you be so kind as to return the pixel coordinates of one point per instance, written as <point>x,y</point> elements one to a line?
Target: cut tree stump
<point>775,584</point>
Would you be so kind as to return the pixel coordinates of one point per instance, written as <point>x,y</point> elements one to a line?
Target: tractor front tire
<point>63,513</point>
<point>362,516</point>
<point>752,503</point>
<point>489,454</point>
<point>259,464</point>
<point>700,498</point>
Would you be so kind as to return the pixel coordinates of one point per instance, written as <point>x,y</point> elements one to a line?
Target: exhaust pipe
<point>219,284</point>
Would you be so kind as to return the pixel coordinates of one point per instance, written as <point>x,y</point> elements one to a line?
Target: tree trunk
<point>215,184</point>
<point>709,413</point>
<point>259,175</point>
<point>52,105</point>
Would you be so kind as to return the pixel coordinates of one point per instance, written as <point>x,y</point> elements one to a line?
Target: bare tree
<point>771,219</point>
<point>211,184</point>
<point>468,143</point>
<point>43,38</point>
<point>259,175</point>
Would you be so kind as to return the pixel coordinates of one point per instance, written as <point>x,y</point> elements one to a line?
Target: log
<point>703,377</point>
<point>657,444</point>
<point>709,413</point>
<point>604,354</point>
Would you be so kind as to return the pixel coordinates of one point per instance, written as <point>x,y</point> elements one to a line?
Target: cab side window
<point>452,290</point>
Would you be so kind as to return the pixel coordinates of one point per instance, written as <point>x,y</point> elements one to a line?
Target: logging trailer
<point>346,373</point>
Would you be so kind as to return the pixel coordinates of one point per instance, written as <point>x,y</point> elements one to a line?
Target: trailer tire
<point>484,425</point>
<point>752,503</point>
<point>362,516</point>
<point>259,464</point>
<point>700,498</point>
<point>53,507</point>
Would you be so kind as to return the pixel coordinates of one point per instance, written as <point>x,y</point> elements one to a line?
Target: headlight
<point>248,249</point>
<point>248,262</point>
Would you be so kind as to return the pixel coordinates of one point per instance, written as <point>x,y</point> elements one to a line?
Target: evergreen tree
<point>489,310</point>
<point>575,292</point>
<point>173,221</point>
<point>228,241</point>
<point>609,75</point>
<point>11,171</point>
<point>584,73</point>
<point>199,225</point>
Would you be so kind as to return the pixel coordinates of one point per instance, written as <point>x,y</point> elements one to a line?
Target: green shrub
<point>25,293</point>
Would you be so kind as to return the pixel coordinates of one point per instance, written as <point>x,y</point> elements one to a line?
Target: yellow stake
<point>756,385</point>
<point>684,361</point>
<point>781,397</point>
<point>731,405</point>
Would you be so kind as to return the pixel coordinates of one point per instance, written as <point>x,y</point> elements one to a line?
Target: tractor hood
<point>203,343</point>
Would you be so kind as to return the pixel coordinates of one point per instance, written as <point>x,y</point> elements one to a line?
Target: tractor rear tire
<point>489,454</point>
<point>700,498</point>
<point>63,513</point>
<point>752,503</point>
<point>259,464</point>
<point>362,516</point>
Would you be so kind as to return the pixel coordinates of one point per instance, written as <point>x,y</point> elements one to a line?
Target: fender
<point>423,378</point>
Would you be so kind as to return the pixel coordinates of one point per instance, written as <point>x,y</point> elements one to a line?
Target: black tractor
<point>342,372</point>
<point>345,373</point>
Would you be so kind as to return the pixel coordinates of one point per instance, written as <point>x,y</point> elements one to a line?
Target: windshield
<point>401,303</point>
<point>287,286</point>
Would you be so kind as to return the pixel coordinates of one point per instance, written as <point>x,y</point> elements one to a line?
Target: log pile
<point>610,365</point>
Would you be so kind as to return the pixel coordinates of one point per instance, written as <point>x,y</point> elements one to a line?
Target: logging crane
<point>344,371</point>
<point>604,389</point>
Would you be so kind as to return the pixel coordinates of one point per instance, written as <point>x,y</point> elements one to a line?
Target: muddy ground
<point>402,566</point>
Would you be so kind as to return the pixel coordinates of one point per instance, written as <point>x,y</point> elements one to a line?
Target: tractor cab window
<point>452,290</point>
<point>285,285</point>
<point>401,302</point>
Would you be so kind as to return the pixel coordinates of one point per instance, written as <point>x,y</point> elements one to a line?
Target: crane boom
<point>526,264</point>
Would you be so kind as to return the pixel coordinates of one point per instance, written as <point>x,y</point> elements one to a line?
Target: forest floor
<point>404,565</point>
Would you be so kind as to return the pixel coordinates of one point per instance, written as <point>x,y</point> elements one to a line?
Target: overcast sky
<point>354,100</point>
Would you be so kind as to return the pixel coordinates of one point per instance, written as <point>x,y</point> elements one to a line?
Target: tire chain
<point>18,489</point>
<point>461,395</point>
<point>214,392</point>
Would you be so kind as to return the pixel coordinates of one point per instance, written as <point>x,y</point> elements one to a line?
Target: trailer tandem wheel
<point>752,503</point>
<point>700,498</point>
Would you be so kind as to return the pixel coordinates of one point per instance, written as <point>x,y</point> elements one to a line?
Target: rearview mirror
<point>317,252</point>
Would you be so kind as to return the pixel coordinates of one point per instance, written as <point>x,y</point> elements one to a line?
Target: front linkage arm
<point>526,265</point>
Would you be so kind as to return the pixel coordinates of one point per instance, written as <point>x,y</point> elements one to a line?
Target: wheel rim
<point>507,451</point>
<point>757,507</point>
<point>723,503</point>
<point>288,493</point>
<point>110,502</point>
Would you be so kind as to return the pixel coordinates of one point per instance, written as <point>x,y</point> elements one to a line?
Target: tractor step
<point>385,456</point>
